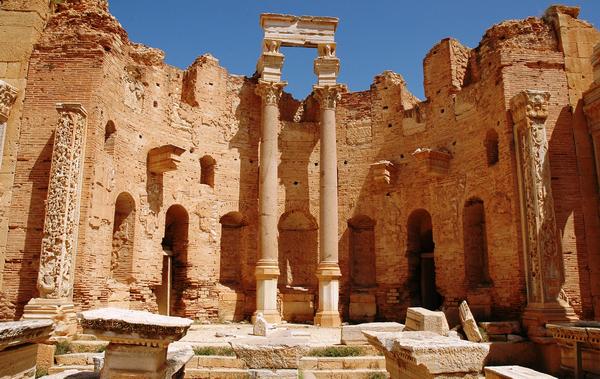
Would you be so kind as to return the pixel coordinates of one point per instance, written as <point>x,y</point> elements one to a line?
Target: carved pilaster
<point>55,280</point>
<point>8,95</point>
<point>328,96</point>
<point>543,256</point>
<point>270,92</point>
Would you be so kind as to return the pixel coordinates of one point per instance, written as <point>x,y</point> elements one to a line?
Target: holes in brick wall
<point>491,147</point>
<point>442,110</point>
<point>475,244</point>
<point>155,104</point>
<point>110,135</point>
<point>207,170</point>
<point>296,183</point>
<point>385,107</point>
<point>389,125</point>
<point>121,262</point>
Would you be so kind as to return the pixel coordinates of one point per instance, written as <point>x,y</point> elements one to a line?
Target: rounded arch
<point>421,262</point>
<point>362,251</point>
<point>297,220</point>
<point>207,170</point>
<point>121,262</point>
<point>491,147</point>
<point>110,134</point>
<point>233,248</point>
<point>298,250</point>
<point>475,244</point>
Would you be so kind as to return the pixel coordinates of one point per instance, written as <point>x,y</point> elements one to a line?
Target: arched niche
<point>475,244</point>
<point>362,251</point>
<point>207,170</point>
<point>233,247</point>
<point>121,262</point>
<point>298,250</point>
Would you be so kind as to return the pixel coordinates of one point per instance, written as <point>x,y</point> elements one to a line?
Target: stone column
<point>61,224</point>
<point>267,267</point>
<point>541,241</point>
<point>328,270</point>
<point>8,96</point>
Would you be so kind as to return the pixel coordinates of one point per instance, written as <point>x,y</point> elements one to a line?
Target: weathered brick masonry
<point>427,189</point>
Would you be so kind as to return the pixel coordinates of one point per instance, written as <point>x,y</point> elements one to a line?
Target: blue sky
<point>372,36</point>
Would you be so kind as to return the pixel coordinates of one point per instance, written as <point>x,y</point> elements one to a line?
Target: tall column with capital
<point>61,224</point>
<point>269,88</point>
<point>541,241</point>
<point>328,93</point>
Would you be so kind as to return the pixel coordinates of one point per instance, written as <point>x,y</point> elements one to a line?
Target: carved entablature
<point>270,92</point>
<point>436,162</point>
<point>302,31</point>
<point>384,173</point>
<point>328,96</point>
<point>8,95</point>
<point>14,333</point>
<point>164,158</point>
<point>61,222</point>
<point>545,273</point>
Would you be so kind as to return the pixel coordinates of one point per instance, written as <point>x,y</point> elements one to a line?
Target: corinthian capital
<point>8,95</point>
<point>530,105</point>
<point>270,92</point>
<point>328,96</point>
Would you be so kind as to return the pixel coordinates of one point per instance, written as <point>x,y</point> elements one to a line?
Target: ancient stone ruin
<point>465,224</point>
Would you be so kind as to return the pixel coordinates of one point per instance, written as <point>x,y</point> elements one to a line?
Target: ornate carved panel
<point>61,223</point>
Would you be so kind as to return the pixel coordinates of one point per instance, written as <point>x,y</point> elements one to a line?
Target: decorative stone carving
<point>261,326</point>
<point>270,92</point>
<point>329,95</point>
<point>582,339</point>
<point>544,266</point>
<point>421,319</point>
<point>8,95</point>
<point>55,279</point>
<point>301,31</point>
<point>18,347</point>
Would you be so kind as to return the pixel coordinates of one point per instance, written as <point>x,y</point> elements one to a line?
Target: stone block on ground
<point>18,346</point>
<point>429,355</point>
<point>514,372</point>
<point>352,334</point>
<point>421,319</point>
<point>272,353</point>
<point>468,323</point>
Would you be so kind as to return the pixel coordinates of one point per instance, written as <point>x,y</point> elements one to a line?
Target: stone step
<point>76,359</point>
<point>58,369</point>
<point>342,363</point>
<point>220,373</point>
<point>88,346</point>
<point>215,361</point>
<point>344,374</point>
<point>86,337</point>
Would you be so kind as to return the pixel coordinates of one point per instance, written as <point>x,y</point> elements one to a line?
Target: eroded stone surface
<point>352,334</point>
<point>20,332</point>
<point>468,323</point>
<point>514,372</point>
<point>281,353</point>
<point>421,319</point>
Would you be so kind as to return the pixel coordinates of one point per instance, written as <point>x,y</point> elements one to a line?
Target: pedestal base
<point>536,316</point>
<point>60,311</point>
<point>123,361</point>
<point>329,294</point>
<point>266,292</point>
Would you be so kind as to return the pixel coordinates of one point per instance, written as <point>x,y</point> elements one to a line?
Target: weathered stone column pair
<point>61,224</point>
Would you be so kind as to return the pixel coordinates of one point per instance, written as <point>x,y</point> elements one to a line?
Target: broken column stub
<point>421,319</point>
<point>416,355</point>
<point>138,340</point>
<point>18,346</point>
<point>468,323</point>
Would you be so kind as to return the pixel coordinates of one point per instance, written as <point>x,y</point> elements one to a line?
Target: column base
<point>60,311</point>
<point>536,316</point>
<point>267,274</point>
<point>329,294</point>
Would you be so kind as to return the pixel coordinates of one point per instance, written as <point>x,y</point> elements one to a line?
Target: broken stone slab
<point>271,353</point>
<point>138,342</point>
<point>18,346</point>
<point>261,326</point>
<point>352,334</point>
<point>421,319</point>
<point>514,372</point>
<point>468,323</point>
<point>501,327</point>
<point>426,354</point>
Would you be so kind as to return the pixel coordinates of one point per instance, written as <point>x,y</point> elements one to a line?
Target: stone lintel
<point>164,158</point>
<point>13,333</point>
<point>128,327</point>
<point>8,95</point>
<point>301,31</point>
<point>71,107</point>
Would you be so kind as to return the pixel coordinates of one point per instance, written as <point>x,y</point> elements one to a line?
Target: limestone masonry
<point>129,183</point>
